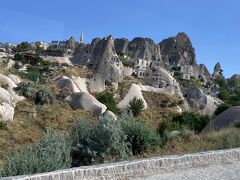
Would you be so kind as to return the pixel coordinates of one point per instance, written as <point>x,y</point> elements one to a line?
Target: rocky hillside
<point>160,83</point>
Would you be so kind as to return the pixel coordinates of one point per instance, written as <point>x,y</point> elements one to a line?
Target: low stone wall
<point>145,167</point>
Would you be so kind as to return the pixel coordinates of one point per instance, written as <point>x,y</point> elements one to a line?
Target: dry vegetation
<point>125,85</point>
<point>191,143</point>
<point>31,121</point>
<point>160,107</point>
<point>77,71</point>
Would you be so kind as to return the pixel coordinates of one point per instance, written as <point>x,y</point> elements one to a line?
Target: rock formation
<point>86,101</point>
<point>230,117</point>
<point>121,46</point>
<point>144,48</point>
<point>178,50</point>
<point>217,70</point>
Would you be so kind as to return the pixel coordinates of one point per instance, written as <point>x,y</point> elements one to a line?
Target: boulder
<point>86,101</point>
<point>228,118</point>
<point>110,114</point>
<point>14,78</point>
<point>204,104</point>
<point>6,111</point>
<point>58,60</point>
<point>134,91</point>
<point>10,87</point>
<point>74,84</point>
<point>217,70</point>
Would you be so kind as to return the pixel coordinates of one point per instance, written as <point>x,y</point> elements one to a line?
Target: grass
<point>160,107</point>
<point>191,143</point>
<point>31,122</point>
<point>125,85</point>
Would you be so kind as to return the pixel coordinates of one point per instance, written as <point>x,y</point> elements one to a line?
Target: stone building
<point>186,72</point>
<point>65,47</point>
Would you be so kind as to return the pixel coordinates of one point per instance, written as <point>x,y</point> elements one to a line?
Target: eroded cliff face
<point>178,50</point>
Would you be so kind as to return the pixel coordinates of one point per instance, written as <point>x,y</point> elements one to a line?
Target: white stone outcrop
<point>134,91</point>
<point>86,101</point>
<point>8,98</point>
<point>140,168</point>
<point>14,78</point>
<point>74,84</point>
<point>11,85</point>
<point>58,60</point>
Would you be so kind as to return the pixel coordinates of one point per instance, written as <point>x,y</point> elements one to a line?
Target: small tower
<point>81,39</point>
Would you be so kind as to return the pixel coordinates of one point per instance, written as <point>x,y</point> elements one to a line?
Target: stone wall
<point>145,167</point>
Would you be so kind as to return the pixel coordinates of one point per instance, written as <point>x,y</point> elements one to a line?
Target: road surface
<point>229,171</point>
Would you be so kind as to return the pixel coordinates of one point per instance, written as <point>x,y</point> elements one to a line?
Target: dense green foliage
<point>51,153</point>
<point>140,136</point>
<point>22,47</point>
<point>33,92</point>
<point>221,108</point>
<point>107,99</point>
<point>43,96</point>
<point>229,90</point>
<point>187,120</point>
<point>136,105</point>
<point>3,125</point>
<point>97,144</point>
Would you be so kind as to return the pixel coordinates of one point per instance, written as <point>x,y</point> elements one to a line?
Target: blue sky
<point>212,25</point>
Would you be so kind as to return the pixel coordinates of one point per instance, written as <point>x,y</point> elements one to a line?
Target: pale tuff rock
<point>14,78</point>
<point>7,105</point>
<point>6,111</point>
<point>58,60</point>
<point>8,98</point>
<point>127,72</point>
<point>74,84</point>
<point>109,114</point>
<point>217,70</point>
<point>86,101</point>
<point>11,85</point>
<point>203,103</point>
<point>100,56</point>
<point>134,91</point>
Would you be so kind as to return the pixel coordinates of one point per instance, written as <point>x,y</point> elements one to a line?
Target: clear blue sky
<point>213,25</point>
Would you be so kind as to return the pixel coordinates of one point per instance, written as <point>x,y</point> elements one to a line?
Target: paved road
<point>212,172</point>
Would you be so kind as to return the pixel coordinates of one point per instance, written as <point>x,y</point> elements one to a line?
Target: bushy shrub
<point>168,126</point>
<point>27,89</point>
<point>3,125</point>
<point>221,108</point>
<point>136,105</point>
<point>31,91</point>
<point>43,96</point>
<point>51,153</point>
<point>107,99</point>
<point>140,136</point>
<point>104,142</point>
<point>191,120</point>
<point>223,94</point>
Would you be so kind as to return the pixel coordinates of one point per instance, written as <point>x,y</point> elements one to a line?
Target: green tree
<point>223,107</point>
<point>107,99</point>
<point>191,120</point>
<point>223,94</point>
<point>22,47</point>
